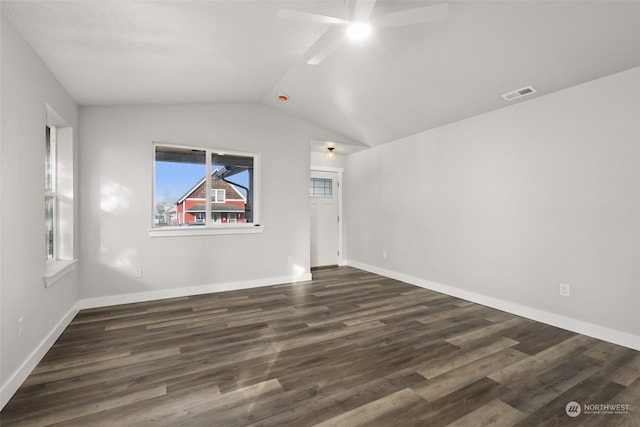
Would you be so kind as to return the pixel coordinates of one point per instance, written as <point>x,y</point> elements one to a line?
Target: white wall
<point>116,200</point>
<point>27,86</point>
<point>320,159</point>
<point>504,206</point>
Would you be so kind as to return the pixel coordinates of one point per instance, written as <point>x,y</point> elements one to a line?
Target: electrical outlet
<point>20,327</point>
<point>564,290</point>
<point>384,254</point>
<point>137,273</point>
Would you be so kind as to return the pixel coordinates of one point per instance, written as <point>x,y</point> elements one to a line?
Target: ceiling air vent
<point>519,93</point>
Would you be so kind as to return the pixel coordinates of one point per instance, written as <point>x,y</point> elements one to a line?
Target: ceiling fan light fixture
<point>360,28</point>
<point>357,31</point>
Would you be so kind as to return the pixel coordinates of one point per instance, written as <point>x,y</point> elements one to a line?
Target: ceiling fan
<point>362,24</point>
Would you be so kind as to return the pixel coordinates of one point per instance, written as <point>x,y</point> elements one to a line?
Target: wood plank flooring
<point>349,348</point>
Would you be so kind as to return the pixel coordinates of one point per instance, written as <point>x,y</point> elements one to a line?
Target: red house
<point>227,203</point>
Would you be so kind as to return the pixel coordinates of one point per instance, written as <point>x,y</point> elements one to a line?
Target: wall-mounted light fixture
<point>330,154</point>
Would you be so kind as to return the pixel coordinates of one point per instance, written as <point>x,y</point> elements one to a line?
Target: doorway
<point>325,194</point>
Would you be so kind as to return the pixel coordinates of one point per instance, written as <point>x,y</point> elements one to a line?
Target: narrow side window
<point>50,197</point>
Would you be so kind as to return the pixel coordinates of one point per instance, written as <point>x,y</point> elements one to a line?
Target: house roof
<point>199,191</point>
<point>402,81</point>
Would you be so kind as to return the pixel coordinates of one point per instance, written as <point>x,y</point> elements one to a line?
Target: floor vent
<point>519,93</point>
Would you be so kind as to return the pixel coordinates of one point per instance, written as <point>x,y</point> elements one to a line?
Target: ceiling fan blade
<point>299,15</point>
<point>418,15</point>
<point>325,46</point>
<point>363,10</point>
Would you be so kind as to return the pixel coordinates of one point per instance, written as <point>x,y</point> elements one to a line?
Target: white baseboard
<point>20,375</point>
<point>581,327</point>
<point>187,291</point>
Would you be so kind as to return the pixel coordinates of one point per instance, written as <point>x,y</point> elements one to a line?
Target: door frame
<point>339,172</point>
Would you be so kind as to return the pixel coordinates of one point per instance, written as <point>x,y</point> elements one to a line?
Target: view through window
<point>186,178</point>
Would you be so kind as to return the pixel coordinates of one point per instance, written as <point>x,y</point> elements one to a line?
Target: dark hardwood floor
<point>349,348</point>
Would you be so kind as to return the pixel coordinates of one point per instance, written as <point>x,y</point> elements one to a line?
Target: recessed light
<point>283,97</point>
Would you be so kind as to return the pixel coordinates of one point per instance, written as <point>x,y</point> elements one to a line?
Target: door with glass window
<point>323,192</point>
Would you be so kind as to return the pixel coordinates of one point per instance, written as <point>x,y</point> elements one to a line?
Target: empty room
<point>319,213</point>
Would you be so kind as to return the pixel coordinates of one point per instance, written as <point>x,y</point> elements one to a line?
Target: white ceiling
<point>151,52</point>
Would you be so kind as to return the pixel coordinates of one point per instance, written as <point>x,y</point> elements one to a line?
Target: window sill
<point>56,270</point>
<point>206,230</point>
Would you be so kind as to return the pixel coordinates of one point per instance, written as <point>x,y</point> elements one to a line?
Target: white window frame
<point>209,228</point>
<point>323,195</point>
<point>214,195</point>
<point>51,193</point>
<point>62,261</point>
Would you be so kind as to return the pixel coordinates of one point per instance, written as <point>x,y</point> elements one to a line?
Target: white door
<point>323,191</point>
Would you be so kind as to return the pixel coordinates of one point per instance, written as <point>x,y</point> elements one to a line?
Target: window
<point>217,195</point>
<point>320,187</point>
<point>58,198</point>
<point>50,193</point>
<point>208,188</point>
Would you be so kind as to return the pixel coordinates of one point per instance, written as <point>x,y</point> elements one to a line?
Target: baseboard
<point>20,375</point>
<point>324,267</point>
<point>578,326</point>
<point>187,291</point>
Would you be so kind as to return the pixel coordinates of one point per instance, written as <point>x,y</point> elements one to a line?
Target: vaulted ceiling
<point>155,52</point>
